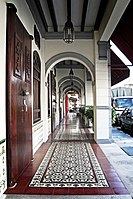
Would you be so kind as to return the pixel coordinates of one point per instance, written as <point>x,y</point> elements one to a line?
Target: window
<point>123,102</point>
<point>36,87</point>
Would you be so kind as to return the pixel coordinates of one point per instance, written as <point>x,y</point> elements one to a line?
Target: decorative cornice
<point>78,35</point>
<point>103,47</point>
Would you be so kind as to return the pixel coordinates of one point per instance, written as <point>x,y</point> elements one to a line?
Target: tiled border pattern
<point>69,164</point>
<point>71,134</point>
<point>116,187</point>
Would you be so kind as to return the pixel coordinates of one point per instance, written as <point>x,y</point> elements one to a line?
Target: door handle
<point>25,105</point>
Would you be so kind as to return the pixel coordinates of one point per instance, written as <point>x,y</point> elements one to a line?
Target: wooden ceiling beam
<point>52,14</point>
<point>85,6</point>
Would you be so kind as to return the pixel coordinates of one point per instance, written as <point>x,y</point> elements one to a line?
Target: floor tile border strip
<point>59,136</point>
<point>97,171</point>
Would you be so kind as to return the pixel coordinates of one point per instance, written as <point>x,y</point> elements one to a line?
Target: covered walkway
<point>71,164</point>
<point>42,78</point>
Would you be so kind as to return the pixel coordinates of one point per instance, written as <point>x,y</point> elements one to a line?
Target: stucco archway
<point>68,78</point>
<point>69,56</point>
<point>54,60</point>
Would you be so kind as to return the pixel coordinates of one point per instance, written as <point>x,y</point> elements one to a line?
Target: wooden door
<point>18,95</point>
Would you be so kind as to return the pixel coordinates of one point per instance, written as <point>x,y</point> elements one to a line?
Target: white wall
<point>23,13</point>
<point>2,70</point>
<point>83,47</point>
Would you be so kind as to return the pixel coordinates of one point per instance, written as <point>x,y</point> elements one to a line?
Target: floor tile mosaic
<point>71,134</point>
<point>72,164</point>
<point>69,164</point>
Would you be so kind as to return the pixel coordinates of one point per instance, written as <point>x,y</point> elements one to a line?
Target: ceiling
<point>86,16</point>
<point>51,15</point>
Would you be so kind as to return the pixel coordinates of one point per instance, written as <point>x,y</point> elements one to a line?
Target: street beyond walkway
<point>120,160</point>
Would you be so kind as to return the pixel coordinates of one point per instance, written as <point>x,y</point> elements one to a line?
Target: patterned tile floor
<point>62,138</point>
<point>69,164</point>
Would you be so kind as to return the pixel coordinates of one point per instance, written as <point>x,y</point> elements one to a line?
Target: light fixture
<point>71,73</point>
<point>72,85</point>
<point>68,29</point>
<point>68,32</point>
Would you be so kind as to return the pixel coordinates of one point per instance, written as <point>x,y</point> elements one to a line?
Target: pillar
<point>102,98</point>
<point>88,93</point>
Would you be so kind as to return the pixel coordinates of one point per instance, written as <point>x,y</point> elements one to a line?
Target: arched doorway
<point>57,76</point>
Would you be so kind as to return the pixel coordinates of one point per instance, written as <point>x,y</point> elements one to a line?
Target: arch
<point>74,87</point>
<point>67,89</point>
<point>68,83</point>
<point>69,56</point>
<point>68,78</point>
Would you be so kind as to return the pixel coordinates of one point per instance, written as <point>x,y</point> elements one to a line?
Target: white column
<point>101,97</point>
<point>88,93</point>
<point>58,103</point>
<point>82,97</point>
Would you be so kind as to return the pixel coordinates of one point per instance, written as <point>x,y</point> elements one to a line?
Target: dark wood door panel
<point>19,105</point>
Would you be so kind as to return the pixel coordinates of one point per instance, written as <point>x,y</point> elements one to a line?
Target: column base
<point>104,141</point>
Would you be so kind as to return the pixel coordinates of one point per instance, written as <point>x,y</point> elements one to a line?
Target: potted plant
<point>89,114</point>
<point>82,110</point>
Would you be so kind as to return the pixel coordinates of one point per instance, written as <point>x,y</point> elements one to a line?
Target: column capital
<point>103,47</point>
